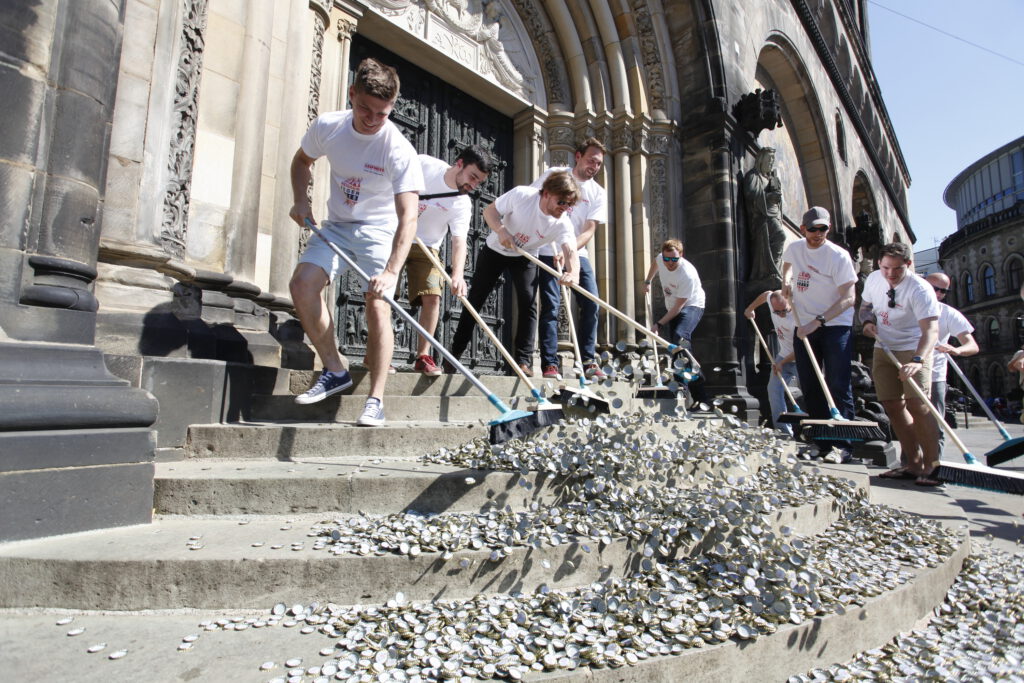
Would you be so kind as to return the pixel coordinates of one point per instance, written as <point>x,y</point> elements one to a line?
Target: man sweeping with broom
<point>900,311</point>
<point>819,279</point>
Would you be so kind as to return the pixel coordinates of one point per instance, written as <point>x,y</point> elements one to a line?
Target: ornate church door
<point>439,120</point>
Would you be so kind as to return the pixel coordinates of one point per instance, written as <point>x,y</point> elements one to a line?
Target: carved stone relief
<point>183,120</point>
<point>656,86</point>
<point>486,35</point>
<point>313,106</point>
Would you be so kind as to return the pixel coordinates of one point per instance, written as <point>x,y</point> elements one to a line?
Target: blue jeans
<point>833,347</point>
<point>681,327</point>
<point>777,395</point>
<point>586,321</point>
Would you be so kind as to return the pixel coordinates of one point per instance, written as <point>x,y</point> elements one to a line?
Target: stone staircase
<point>245,522</point>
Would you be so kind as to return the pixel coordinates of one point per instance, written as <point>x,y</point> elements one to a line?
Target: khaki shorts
<point>421,275</point>
<point>888,386</point>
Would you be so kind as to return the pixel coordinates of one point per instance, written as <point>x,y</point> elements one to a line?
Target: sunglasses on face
<point>892,298</point>
<point>671,259</point>
<point>820,228</point>
<point>940,290</point>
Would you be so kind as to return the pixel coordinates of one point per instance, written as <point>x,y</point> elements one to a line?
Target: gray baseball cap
<point>816,216</point>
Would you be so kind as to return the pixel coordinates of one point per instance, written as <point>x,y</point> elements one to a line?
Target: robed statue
<point>763,193</point>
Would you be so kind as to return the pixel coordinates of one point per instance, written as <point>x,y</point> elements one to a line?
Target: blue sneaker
<point>329,383</point>
<point>373,413</point>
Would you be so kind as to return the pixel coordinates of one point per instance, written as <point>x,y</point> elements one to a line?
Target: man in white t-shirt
<point>952,323</point>
<point>684,302</point>
<point>900,311</point>
<point>784,363</point>
<point>438,215</point>
<point>528,218</point>
<point>588,212</point>
<point>372,207</point>
<point>819,279</point>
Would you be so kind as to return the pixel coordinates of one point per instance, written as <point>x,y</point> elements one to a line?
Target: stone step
<point>286,442</point>
<point>341,486</point>
<point>416,384</point>
<point>152,640</point>
<point>156,566</point>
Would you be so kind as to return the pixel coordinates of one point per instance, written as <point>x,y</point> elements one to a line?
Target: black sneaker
<point>329,383</point>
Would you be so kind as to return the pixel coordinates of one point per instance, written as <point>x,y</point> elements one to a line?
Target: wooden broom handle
<point>764,345</point>
<point>814,362</point>
<point>476,316</point>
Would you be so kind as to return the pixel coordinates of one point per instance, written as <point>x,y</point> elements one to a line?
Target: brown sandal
<point>898,473</point>
<point>929,479</point>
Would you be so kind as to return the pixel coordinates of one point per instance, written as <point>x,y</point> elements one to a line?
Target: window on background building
<point>993,333</point>
<point>1014,275</point>
<point>1018,329</point>
<point>840,137</point>
<point>968,288</point>
<point>995,381</point>
<point>951,293</point>
<point>988,280</point>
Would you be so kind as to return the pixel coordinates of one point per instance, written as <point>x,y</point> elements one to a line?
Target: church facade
<point>146,246</point>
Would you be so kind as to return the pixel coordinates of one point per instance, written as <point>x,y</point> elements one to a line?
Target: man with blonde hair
<point>372,210</point>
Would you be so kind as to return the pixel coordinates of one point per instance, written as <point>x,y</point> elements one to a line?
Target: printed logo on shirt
<point>521,238</point>
<point>883,317</point>
<point>373,168</point>
<point>803,281</point>
<point>426,205</point>
<point>351,187</point>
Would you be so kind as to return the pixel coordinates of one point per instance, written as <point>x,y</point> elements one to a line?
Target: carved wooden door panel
<point>439,120</point>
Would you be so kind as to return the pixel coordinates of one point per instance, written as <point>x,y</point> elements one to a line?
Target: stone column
<point>622,147</point>
<point>75,445</point>
<point>242,219</point>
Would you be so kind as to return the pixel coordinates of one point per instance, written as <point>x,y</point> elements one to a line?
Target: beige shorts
<point>888,386</point>
<point>421,275</point>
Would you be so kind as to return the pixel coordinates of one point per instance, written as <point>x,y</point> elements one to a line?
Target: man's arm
<point>649,278</point>
<point>929,332</point>
<point>968,346</point>
<point>407,208</point>
<point>787,291</point>
<point>301,175</point>
<point>761,298</point>
<point>493,220</point>
<point>670,313</point>
<point>846,299</point>
<point>571,274</point>
<point>589,228</point>
<point>459,266</point>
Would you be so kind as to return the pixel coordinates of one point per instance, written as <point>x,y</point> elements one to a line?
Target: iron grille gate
<point>438,120</point>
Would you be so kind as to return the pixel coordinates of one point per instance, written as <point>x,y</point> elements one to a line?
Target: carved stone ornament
<point>656,87</point>
<point>183,122</point>
<point>485,35</point>
<point>560,135</point>
<point>759,110</point>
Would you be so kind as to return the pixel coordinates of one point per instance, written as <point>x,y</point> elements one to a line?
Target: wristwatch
<point>820,319</point>
<point>917,359</point>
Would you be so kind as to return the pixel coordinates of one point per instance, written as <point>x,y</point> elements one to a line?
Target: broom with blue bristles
<point>1011,447</point>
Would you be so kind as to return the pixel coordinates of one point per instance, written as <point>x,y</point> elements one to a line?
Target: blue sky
<point>950,103</point>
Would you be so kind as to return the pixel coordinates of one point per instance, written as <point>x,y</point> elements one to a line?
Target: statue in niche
<point>866,237</point>
<point>763,193</point>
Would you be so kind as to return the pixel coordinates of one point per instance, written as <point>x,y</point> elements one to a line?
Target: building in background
<point>985,260</point>
<point>145,243</point>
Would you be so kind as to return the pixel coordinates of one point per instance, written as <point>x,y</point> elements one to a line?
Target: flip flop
<point>898,473</point>
<point>928,479</point>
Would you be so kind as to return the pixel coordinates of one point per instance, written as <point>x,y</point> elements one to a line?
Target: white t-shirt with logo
<point>439,215</point>
<point>681,283</point>
<point>952,323</point>
<point>784,330</point>
<point>591,206</point>
<point>898,327</point>
<point>367,171</point>
<point>529,227</point>
<point>817,275</point>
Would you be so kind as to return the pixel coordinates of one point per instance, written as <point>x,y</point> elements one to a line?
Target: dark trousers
<point>586,321</point>
<point>833,348</point>
<point>490,265</point>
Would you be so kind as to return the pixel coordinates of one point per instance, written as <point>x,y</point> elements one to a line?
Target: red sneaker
<point>594,371</point>
<point>551,372</point>
<point>426,365</point>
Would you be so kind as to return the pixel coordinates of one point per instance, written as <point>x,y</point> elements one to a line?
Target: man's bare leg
<point>380,343</point>
<point>306,287</point>
<point>430,312</point>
